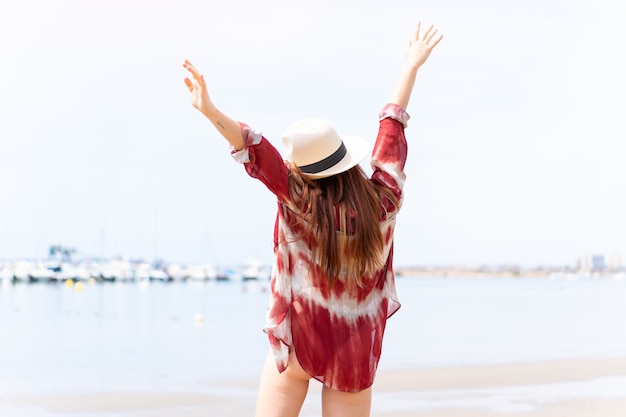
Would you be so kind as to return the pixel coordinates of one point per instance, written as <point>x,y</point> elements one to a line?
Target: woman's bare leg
<point>282,394</point>
<point>341,404</point>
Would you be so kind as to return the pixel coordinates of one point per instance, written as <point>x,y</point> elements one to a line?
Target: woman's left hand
<point>198,92</point>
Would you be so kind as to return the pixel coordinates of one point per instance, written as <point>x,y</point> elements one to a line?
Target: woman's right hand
<point>418,51</point>
<point>198,92</point>
<point>421,45</point>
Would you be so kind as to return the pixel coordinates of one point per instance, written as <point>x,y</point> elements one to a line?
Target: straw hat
<point>316,148</point>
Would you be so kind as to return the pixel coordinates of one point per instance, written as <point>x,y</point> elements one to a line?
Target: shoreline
<point>512,273</point>
<point>501,374</point>
<point>567,388</point>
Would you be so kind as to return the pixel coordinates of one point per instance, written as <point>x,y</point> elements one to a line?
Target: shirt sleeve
<point>390,150</point>
<point>263,162</point>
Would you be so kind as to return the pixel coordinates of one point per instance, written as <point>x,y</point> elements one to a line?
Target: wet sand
<point>572,388</point>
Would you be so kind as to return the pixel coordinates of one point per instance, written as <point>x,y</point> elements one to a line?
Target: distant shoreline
<point>456,272</point>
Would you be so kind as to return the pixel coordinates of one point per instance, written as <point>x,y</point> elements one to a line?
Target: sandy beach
<point>567,388</point>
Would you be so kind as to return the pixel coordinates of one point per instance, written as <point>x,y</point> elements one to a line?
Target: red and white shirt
<point>336,332</point>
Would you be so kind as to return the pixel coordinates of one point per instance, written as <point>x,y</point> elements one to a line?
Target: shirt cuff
<point>396,112</point>
<point>251,137</point>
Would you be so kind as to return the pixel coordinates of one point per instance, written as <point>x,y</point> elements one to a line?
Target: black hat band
<point>328,162</point>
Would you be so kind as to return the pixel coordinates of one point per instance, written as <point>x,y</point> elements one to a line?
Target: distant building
<point>599,263</point>
<point>614,262</point>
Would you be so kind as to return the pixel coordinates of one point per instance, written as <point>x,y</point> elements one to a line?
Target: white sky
<point>517,136</point>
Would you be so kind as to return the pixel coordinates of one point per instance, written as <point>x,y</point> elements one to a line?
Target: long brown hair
<point>341,217</point>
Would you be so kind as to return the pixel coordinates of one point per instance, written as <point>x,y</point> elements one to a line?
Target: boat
<point>6,274</point>
<point>256,271</point>
<point>40,273</point>
<point>199,272</point>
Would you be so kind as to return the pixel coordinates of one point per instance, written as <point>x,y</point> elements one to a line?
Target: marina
<point>126,271</point>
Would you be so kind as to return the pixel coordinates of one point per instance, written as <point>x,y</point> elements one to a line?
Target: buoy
<point>69,283</point>
<point>79,286</point>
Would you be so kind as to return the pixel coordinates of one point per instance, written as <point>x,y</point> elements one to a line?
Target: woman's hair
<point>340,217</point>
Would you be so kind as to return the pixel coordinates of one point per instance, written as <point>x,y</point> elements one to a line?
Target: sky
<point>517,137</point>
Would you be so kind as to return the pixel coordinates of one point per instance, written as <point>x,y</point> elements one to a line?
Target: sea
<point>186,335</point>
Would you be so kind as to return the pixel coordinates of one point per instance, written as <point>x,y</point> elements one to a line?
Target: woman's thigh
<point>339,403</point>
<point>282,394</point>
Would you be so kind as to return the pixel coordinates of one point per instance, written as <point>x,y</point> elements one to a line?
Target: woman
<point>332,286</point>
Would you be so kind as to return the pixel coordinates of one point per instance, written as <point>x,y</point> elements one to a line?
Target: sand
<point>567,388</point>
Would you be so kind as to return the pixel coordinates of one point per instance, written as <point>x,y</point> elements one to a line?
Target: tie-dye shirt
<point>336,332</point>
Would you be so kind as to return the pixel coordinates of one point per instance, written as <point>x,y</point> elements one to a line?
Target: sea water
<point>183,336</point>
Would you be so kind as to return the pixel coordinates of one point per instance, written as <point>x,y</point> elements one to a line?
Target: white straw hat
<point>316,148</point>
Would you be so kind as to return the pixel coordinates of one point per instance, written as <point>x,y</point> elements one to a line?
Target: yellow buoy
<point>79,286</point>
<point>69,283</point>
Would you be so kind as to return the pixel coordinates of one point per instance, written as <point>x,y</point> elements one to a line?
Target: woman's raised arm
<point>418,51</point>
<point>227,126</point>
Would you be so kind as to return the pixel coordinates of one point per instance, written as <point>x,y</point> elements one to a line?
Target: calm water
<point>130,336</point>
